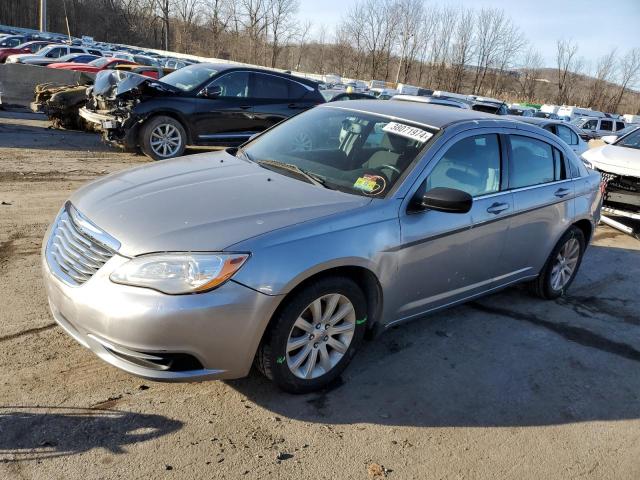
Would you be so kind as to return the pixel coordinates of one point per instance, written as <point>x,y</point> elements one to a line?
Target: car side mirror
<point>609,138</point>
<point>211,92</point>
<point>442,199</point>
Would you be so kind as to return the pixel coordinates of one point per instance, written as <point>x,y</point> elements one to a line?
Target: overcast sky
<point>596,25</point>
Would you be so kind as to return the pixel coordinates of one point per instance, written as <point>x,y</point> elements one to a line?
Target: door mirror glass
<point>212,91</point>
<point>443,199</point>
<point>609,138</point>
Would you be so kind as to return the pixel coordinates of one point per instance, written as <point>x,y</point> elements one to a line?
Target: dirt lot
<point>506,387</point>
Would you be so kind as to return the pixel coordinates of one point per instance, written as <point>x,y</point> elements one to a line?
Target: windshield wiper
<point>290,167</point>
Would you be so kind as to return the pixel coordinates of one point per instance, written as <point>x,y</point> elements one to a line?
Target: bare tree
<point>566,63</point>
<point>630,71</point>
<point>529,73</point>
<point>462,49</point>
<point>605,70</point>
<point>411,16</point>
<point>282,22</point>
<point>490,22</point>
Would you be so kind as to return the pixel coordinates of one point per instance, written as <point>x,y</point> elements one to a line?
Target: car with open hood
<point>203,104</point>
<point>283,255</point>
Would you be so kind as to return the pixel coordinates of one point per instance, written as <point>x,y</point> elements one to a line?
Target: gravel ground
<point>505,387</point>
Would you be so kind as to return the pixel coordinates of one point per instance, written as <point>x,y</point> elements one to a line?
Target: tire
<point>278,365</point>
<point>544,286</point>
<point>157,129</point>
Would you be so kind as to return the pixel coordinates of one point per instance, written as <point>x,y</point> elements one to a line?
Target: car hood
<point>205,202</point>
<point>618,160</point>
<point>113,83</point>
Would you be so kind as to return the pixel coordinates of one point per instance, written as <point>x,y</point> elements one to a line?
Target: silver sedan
<point>341,220</point>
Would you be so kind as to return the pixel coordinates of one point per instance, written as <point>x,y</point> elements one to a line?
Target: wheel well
<point>363,277</point>
<point>586,228</point>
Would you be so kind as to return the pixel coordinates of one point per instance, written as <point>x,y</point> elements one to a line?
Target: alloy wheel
<point>165,140</point>
<point>565,264</point>
<point>320,336</point>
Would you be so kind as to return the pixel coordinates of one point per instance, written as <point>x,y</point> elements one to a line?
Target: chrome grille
<point>77,248</point>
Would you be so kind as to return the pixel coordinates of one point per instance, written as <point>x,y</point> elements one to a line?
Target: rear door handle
<point>562,192</point>
<point>245,107</point>
<point>497,208</point>
<point>294,105</point>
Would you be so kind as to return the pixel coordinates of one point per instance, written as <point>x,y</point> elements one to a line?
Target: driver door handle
<point>497,208</point>
<point>245,107</point>
<point>562,192</point>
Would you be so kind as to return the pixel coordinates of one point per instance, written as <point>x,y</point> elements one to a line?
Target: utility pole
<point>43,15</point>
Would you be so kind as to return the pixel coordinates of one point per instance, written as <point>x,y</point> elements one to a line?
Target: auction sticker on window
<point>407,131</point>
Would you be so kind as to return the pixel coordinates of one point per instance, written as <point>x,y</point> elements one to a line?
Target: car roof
<point>433,115</point>
<point>535,120</point>
<point>227,66</point>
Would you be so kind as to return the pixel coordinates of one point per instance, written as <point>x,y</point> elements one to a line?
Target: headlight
<point>176,273</point>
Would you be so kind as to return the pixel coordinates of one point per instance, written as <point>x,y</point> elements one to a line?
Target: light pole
<point>405,41</point>
<point>43,15</point>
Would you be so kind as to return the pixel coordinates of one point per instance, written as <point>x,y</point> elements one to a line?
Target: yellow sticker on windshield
<point>367,184</point>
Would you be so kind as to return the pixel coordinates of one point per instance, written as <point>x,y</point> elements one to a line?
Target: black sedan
<point>204,104</point>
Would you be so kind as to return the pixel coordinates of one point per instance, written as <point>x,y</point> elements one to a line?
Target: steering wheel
<point>393,168</point>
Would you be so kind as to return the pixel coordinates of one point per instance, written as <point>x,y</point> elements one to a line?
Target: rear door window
<point>567,135</point>
<point>619,125</point>
<point>606,125</point>
<point>269,86</point>
<point>533,162</point>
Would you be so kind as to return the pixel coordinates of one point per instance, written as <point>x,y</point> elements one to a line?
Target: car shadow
<point>33,433</point>
<point>505,360</point>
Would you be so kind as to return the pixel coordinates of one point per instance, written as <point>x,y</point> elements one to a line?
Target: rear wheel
<point>562,266</point>
<point>314,337</point>
<point>163,137</point>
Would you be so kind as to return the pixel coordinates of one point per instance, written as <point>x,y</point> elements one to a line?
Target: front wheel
<point>562,266</point>
<point>163,137</point>
<point>314,337</point>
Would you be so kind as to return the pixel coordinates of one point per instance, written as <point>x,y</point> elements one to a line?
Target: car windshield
<point>190,77</point>
<point>359,153</point>
<point>99,62</point>
<point>632,140</point>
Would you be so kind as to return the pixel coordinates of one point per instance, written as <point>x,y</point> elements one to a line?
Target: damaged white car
<point>619,164</point>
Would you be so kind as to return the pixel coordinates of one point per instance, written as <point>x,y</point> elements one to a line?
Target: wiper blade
<point>310,177</point>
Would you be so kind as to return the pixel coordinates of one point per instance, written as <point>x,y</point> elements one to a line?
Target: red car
<point>99,64</point>
<point>27,47</point>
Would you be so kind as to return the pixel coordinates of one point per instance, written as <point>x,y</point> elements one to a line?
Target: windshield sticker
<point>407,131</point>
<point>370,184</point>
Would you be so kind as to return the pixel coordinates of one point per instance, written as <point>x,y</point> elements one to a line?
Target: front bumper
<point>104,120</point>
<point>212,335</point>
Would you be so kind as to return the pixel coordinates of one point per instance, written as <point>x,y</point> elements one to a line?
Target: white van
<point>547,108</point>
<point>577,112</point>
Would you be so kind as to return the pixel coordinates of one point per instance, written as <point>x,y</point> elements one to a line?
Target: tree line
<point>468,50</point>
